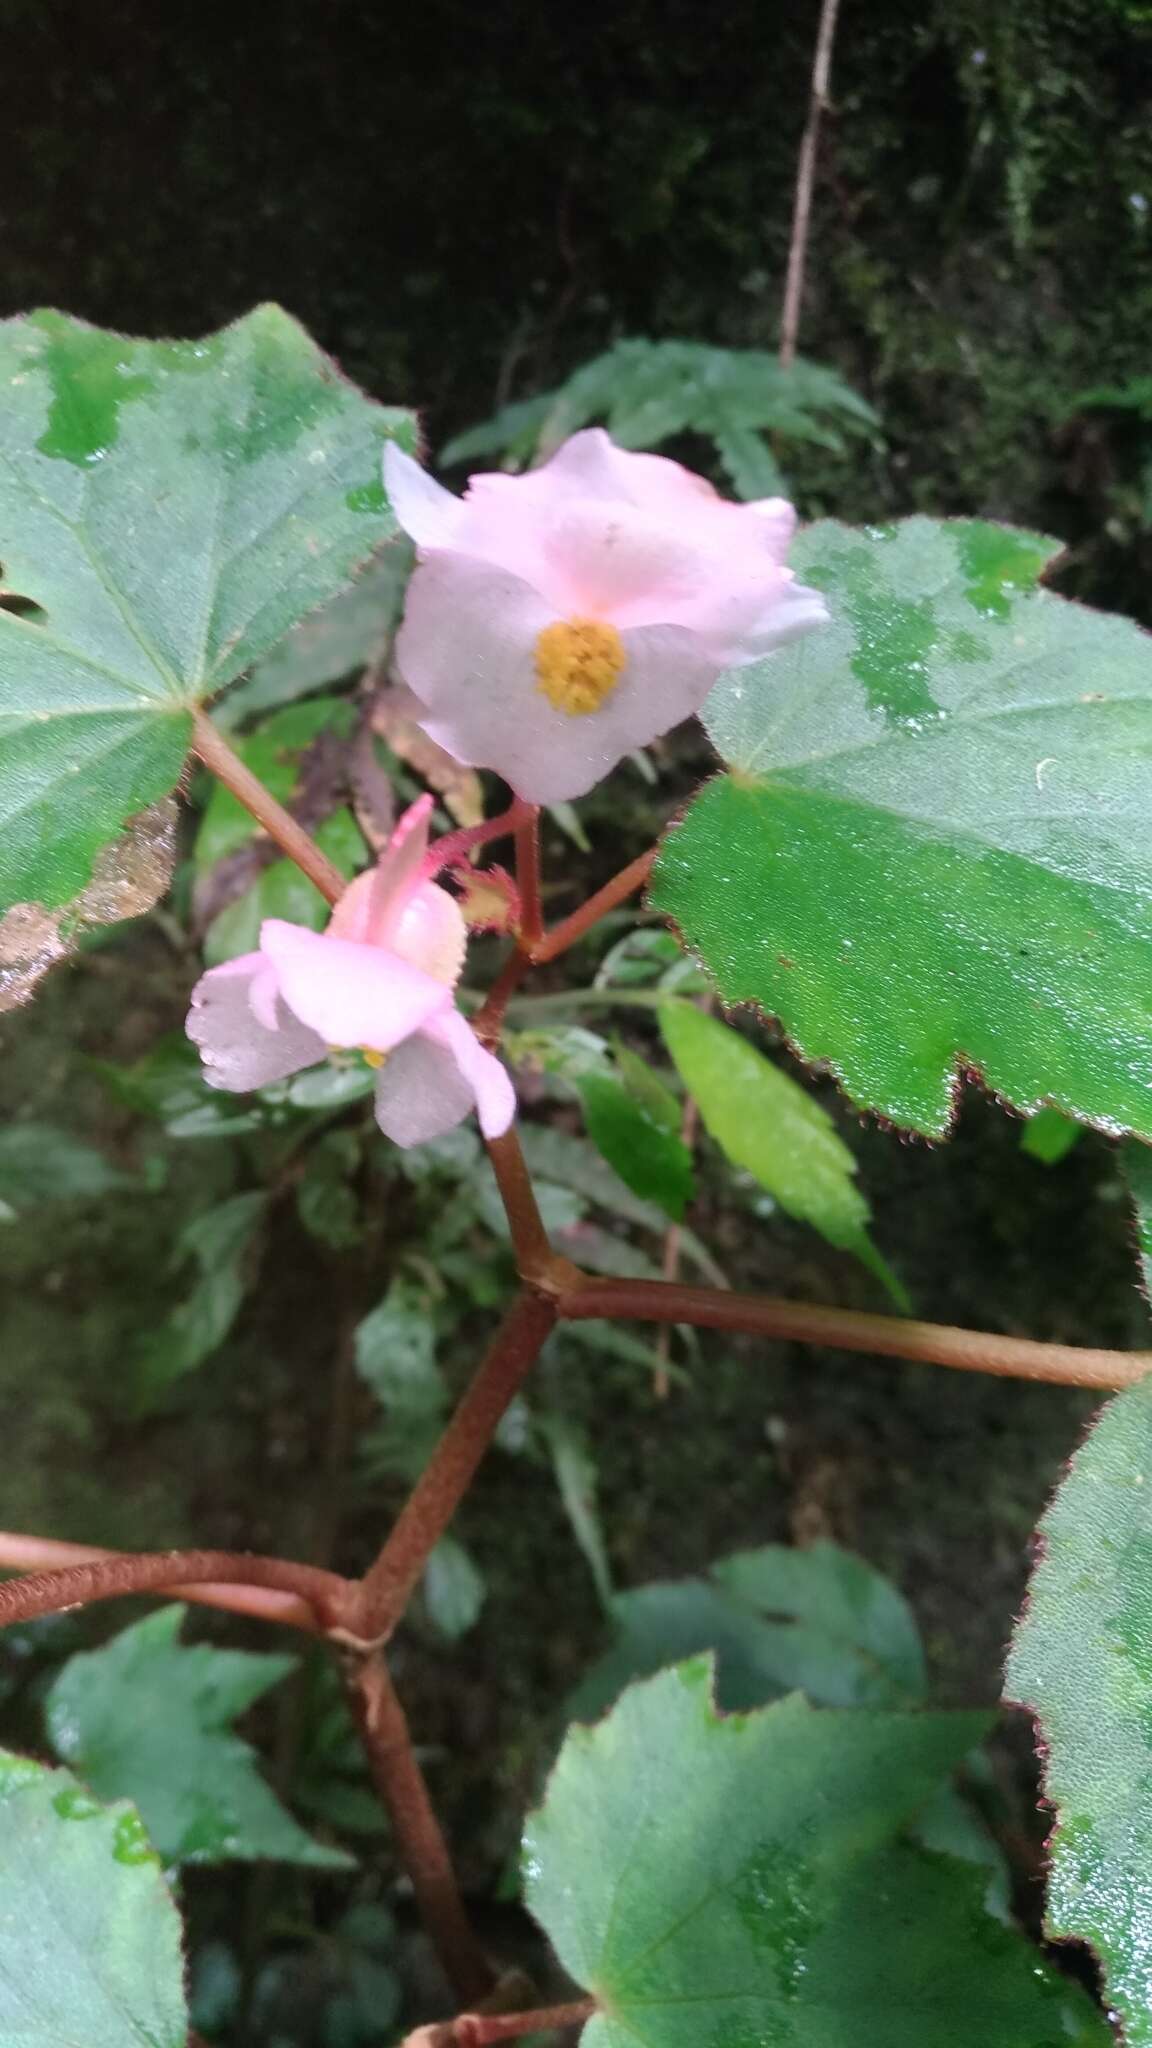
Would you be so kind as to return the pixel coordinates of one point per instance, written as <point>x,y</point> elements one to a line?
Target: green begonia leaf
<point>148,1716</point>
<point>1082,1660</point>
<point>932,851</point>
<point>90,1945</point>
<point>168,511</point>
<point>765,1122</point>
<point>738,1881</point>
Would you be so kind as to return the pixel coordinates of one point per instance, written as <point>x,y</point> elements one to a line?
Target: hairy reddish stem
<point>384,1732</point>
<point>264,1603</point>
<point>213,749</point>
<point>324,1595</point>
<point>455,845</point>
<point>386,1589</point>
<point>525,1223</point>
<point>528,880</point>
<point>661,1301</point>
<point>572,928</point>
<point>488,1023</point>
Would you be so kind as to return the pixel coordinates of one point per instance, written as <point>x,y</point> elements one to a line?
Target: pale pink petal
<point>431,933</point>
<point>352,995</point>
<point>373,904</point>
<point>488,1079</point>
<point>238,1048</point>
<point>591,465</point>
<point>427,512</point>
<point>436,1078</point>
<point>778,521</point>
<point>796,611</point>
<point>467,648</point>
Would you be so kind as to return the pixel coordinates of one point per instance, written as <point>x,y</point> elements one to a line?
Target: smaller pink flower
<point>381,978</point>
<point>558,620</point>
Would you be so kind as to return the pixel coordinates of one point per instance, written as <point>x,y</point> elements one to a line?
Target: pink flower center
<point>578,664</point>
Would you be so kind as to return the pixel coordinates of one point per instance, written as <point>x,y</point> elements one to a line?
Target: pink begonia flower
<point>560,619</point>
<point>381,978</point>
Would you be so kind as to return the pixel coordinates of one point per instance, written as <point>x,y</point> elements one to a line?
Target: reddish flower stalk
<point>661,1301</point>
<point>323,1595</point>
<point>387,1587</point>
<point>213,749</point>
<point>399,1780</point>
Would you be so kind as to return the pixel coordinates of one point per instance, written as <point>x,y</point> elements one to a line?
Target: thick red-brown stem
<point>525,1223</point>
<point>488,1023</point>
<point>386,1589</point>
<point>455,845</point>
<point>659,1301</point>
<point>805,176</point>
<point>528,880</point>
<point>213,749</point>
<point>46,1553</point>
<point>399,1780</point>
<point>176,1572</point>
<point>478,2029</point>
<point>571,928</point>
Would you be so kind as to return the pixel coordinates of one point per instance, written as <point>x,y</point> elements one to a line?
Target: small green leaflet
<point>818,1621</point>
<point>90,1947</point>
<point>148,1716</point>
<point>1082,1660</point>
<point>650,1159</point>
<point>932,851</point>
<point>739,1881</point>
<point>168,511</point>
<point>765,1122</point>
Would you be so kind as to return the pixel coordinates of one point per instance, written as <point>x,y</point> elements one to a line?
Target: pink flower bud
<point>380,979</point>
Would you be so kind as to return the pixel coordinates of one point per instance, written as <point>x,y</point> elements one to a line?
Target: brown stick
<point>213,749</point>
<point>805,175</point>
<point>571,928</point>
<point>176,1572</point>
<point>385,1589</point>
<point>399,1780</point>
<point>659,1301</point>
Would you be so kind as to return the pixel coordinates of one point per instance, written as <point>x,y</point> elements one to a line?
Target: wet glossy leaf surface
<point>90,1947</point>
<point>739,1881</point>
<point>168,511</point>
<point>1082,1660</point>
<point>932,851</point>
<point>149,1718</point>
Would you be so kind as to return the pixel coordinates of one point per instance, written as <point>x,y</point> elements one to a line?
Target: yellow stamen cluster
<point>578,664</point>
